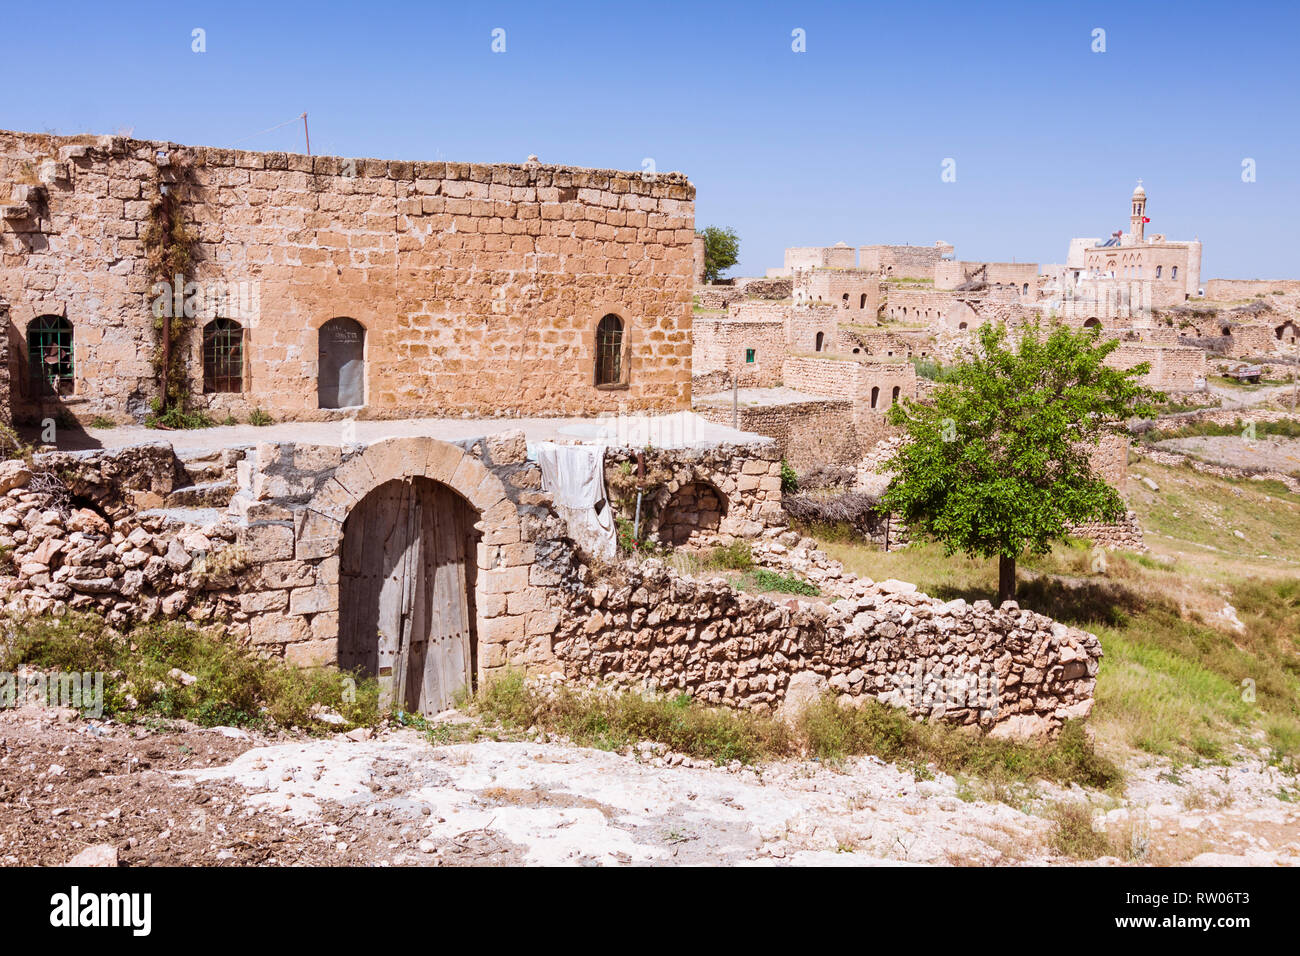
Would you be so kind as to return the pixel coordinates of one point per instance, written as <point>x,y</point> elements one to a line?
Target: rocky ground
<point>182,795</point>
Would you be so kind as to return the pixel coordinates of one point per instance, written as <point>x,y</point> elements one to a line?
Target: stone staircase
<point>209,478</point>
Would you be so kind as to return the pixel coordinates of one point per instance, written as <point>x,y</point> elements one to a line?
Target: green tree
<point>996,462</point>
<point>721,251</point>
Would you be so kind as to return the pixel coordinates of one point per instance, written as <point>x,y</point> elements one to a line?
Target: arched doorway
<point>341,374</point>
<point>406,593</point>
<point>696,507</point>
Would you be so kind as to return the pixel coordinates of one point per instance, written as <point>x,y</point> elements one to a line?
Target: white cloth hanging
<point>575,477</point>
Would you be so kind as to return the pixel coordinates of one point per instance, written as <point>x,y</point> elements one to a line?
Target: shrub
<point>1072,832</point>
<point>260,418</point>
<point>789,479</point>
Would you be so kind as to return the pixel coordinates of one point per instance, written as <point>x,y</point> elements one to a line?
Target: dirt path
<point>217,797</point>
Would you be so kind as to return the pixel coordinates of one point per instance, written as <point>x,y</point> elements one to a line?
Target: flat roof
<point>677,430</point>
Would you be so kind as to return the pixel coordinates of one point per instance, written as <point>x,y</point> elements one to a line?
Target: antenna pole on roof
<point>305,133</point>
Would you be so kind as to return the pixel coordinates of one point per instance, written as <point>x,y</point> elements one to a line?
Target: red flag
<point>1146,219</point>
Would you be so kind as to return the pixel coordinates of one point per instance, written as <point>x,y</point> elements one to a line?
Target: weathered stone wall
<point>6,402</point>
<point>839,256</point>
<point>854,294</point>
<point>1006,670</point>
<point>1022,277</point>
<point>807,434</point>
<point>1228,290</point>
<point>1173,368</point>
<point>726,343</point>
<point>1125,535</point>
<point>479,286</point>
<point>746,480</point>
<point>852,379</point>
<point>903,262</point>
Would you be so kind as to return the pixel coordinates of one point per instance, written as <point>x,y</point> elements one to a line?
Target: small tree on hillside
<point>721,251</point>
<point>996,462</point>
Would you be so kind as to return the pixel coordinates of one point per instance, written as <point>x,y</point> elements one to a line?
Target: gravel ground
<point>221,797</point>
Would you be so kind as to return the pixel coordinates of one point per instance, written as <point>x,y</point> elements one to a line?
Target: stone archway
<point>503,559</point>
<point>695,509</point>
<point>407,571</point>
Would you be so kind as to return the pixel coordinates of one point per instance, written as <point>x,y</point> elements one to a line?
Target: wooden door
<point>406,578</point>
<point>341,372</point>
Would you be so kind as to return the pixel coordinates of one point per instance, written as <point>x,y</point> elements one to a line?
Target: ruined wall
<point>1173,368</point>
<point>1007,670</point>
<point>745,479</point>
<point>479,286</point>
<point>6,404</point>
<point>1020,276</point>
<point>903,262</point>
<point>838,256</point>
<point>1228,290</point>
<point>1124,535</point>
<point>807,434</point>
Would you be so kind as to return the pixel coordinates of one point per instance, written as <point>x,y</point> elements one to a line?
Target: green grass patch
<point>763,580</point>
<point>825,730</point>
<point>233,686</point>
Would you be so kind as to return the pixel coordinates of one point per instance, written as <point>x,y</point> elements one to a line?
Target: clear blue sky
<point>842,142</point>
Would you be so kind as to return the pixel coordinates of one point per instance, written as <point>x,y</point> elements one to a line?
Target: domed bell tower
<point>1138,218</point>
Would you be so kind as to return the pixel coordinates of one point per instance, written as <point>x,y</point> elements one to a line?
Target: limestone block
<point>267,540</point>
<point>313,653</point>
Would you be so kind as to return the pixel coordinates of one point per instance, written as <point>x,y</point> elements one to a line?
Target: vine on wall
<point>171,251</point>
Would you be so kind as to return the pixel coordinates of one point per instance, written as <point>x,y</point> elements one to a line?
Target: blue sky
<point>842,142</point>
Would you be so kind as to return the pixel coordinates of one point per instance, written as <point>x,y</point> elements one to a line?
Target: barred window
<point>609,351</point>
<point>49,355</point>
<point>223,356</point>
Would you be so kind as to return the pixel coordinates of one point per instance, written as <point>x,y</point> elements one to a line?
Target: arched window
<point>1025,290</point>
<point>863,303</point>
<point>1173,272</point>
<point>49,355</point>
<point>894,397</point>
<point>223,356</point>
<point>875,395</point>
<point>609,351</point>
<point>821,336</point>
<point>1158,268</point>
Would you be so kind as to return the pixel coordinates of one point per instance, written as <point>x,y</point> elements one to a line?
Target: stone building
<point>855,294</point>
<point>1129,272</point>
<point>838,256</point>
<point>319,286</point>
<point>904,262</point>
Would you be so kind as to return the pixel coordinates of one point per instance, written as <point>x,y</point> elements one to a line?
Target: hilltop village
<point>519,328</point>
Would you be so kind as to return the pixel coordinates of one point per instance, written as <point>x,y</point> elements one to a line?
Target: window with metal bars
<point>49,354</point>
<point>609,351</point>
<point>223,356</point>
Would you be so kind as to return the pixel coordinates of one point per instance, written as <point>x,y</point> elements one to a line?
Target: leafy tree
<point>721,251</point>
<point>996,461</point>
